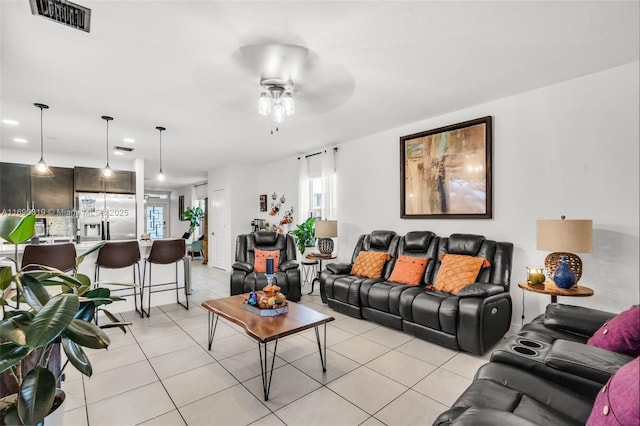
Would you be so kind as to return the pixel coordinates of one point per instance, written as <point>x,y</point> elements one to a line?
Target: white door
<point>219,251</point>
<point>156,221</point>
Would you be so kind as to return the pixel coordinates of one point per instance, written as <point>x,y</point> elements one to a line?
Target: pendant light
<point>41,168</point>
<point>107,172</point>
<point>160,176</point>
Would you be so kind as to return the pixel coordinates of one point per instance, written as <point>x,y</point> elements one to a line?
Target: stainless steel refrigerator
<point>106,216</point>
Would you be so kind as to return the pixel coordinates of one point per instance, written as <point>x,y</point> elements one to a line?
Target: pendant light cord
<point>160,129</point>
<point>41,137</point>
<point>107,142</point>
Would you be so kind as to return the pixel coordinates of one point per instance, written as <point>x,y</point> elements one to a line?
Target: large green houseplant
<point>305,234</point>
<point>194,215</point>
<point>29,335</point>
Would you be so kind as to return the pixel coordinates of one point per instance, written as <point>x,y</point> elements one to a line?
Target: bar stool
<point>309,271</point>
<point>164,252</point>
<point>118,255</point>
<point>59,256</point>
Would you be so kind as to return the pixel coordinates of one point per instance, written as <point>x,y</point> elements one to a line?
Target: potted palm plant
<point>305,235</point>
<point>30,336</point>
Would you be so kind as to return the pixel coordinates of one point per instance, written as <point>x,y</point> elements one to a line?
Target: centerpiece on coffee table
<point>267,303</point>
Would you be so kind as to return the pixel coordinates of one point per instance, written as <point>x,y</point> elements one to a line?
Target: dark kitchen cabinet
<point>15,187</point>
<point>122,182</point>
<point>88,179</point>
<point>20,191</point>
<point>53,194</point>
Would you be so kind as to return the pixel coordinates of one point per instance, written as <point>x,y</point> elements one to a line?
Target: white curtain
<point>328,174</point>
<point>303,190</point>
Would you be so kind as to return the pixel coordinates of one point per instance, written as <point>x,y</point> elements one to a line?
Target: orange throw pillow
<point>458,271</point>
<point>260,263</point>
<point>408,270</point>
<point>370,263</point>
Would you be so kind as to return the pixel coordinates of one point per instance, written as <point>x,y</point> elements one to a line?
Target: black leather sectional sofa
<point>473,320</point>
<point>547,375</point>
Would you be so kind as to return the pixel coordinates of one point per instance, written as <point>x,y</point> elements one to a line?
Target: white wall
<point>570,148</point>
<point>280,177</point>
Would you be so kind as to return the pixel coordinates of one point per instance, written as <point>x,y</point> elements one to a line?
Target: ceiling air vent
<point>122,149</point>
<point>64,12</point>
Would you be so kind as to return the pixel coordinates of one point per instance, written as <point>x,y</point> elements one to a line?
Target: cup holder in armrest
<point>524,351</point>
<point>530,343</point>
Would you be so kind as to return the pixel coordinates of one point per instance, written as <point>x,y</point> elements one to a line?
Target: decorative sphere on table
<point>563,275</point>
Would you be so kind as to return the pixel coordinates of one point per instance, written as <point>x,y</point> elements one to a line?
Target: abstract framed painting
<point>445,173</point>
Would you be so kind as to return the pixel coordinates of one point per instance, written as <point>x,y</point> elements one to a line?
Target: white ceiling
<point>384,64</point>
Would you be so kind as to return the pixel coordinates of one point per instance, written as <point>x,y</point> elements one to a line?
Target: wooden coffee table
<point>267,329</point>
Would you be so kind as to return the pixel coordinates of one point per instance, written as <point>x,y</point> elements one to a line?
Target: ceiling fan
<point>291,72</point>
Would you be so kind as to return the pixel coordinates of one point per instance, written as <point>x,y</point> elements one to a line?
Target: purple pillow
<point>619,401</point>
<point>620,334</point>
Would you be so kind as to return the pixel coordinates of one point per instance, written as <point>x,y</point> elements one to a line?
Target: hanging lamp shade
<point>107,171</point>
<point>41,168</point>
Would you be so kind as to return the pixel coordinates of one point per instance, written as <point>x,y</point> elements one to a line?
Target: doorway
<point>219,235</point>
<point>156,213</point>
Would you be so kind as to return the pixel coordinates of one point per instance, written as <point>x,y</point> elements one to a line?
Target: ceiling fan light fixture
<point>264,105</point>
<point>276,99</point>
<point>287,100</point>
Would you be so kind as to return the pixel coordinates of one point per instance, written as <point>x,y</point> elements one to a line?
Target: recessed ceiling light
<point>10,122</point>
<point>20,140</point>
<point>130,140</point>
<point>118,152</point>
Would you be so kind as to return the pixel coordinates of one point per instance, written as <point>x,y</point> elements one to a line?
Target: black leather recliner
<point>340,289</point>
<point>545,375</point>
<point>479,315</point>
<point>287,276</point>
<point>380,301</point>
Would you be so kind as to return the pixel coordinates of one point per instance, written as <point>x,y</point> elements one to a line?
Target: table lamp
<point>564,238</point>
<point>325,231</point>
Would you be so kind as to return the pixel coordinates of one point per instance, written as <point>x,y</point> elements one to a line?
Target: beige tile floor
<point>160,372</point>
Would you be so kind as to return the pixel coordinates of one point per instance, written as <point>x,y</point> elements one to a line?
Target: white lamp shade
<point>560,235</point>
<point>326,228</point>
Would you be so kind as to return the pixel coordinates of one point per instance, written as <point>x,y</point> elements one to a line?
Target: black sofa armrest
<point>476,416</point>
<point>480,290</point>
<point>288,264</point>
<point>576,319</point>
<point>339,268</point>
<point>585,361</point>
<point>243,266</point>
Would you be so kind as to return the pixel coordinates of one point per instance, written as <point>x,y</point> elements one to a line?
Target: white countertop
<point>7,249</point>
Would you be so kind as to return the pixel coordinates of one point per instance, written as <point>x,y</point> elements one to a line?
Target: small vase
<point>563,275</point>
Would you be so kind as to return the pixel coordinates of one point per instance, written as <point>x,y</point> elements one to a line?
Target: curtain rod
<point>199,184</point>
<point>335,149</point>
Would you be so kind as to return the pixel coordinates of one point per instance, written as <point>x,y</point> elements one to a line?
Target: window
<point>317,188</point>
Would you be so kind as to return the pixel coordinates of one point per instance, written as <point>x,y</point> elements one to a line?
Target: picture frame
<point>446,173</point>
<point>263,202</point>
